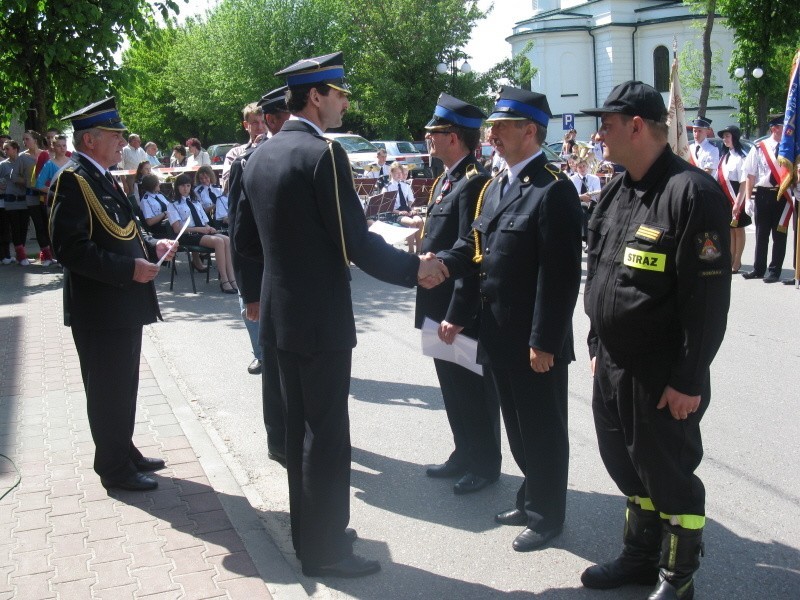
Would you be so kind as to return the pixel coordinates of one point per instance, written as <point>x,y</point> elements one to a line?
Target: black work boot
<point>638,562</point>
<point>680,558</point>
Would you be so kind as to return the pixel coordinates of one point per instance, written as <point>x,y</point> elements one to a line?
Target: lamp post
<point>741,73</point>
<point>450,64</point>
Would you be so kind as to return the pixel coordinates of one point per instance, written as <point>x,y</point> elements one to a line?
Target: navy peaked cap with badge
<point>102,115</point>
<point>451,111</point>
<point>701,122</point>
<point>515,104</point>
<point>775,119</point>
<point>327,69</point>
<point>274,101</point>
<point>632,98</point>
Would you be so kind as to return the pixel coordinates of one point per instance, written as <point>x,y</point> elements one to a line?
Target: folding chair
<point>205,256</point>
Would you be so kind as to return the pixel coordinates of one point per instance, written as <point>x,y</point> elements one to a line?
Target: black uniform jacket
<point>450,218</point>
<point>659,269</point>
<point>247,269</point>
<point>97,239</point>
<point>530,270</point>
<point>291,183</point>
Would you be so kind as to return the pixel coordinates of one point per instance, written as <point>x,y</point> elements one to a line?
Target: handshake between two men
<point>432,271</point>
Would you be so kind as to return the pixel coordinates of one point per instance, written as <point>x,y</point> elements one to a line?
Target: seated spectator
<point>142,169</point>
<point>197,156</point>
<point>221,209</point>
<point>178,158</point>
<point>151,148</point>
<point>568,145</point>
<point>403,214</point>
<point>200,233</point>
<point>206,188</point>
<point>154,208</point>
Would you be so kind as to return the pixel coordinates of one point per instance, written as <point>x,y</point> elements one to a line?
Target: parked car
<point>217,152</point>
<point>406,153</point>
<point>487,150</point>
<point>360,151</point>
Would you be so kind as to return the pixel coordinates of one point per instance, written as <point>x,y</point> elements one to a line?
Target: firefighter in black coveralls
<point>657,295</point>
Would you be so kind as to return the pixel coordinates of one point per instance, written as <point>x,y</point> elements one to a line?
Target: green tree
<point>57,54</point>
<point>766,37</point>
<point>695,78</point>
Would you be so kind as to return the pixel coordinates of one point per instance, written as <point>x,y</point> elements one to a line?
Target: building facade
<point>583,48</point>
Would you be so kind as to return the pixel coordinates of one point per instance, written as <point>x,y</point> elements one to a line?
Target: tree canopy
<point>56,55</point>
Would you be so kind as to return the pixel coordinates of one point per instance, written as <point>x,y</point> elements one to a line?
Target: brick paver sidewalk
<point>62,535</point>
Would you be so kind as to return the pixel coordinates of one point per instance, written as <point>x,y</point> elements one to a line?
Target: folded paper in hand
<point>463,351</point>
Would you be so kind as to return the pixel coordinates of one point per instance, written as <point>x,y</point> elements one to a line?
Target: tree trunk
<point>706,85</point>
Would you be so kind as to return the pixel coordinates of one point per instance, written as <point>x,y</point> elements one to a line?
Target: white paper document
<point>174,243</point>
<point>390,233</point>
<point>463,351</point>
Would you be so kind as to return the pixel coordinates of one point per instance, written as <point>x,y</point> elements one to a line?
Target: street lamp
<point>444,67</point>
<point>741,73</point>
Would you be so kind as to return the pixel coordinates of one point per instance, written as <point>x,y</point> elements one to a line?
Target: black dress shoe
<point>135,483</point>
<point>514,516</point>
<point>445,471</point>
<point>148,464</point>
<point>788,281</point>
<point>772,278</point>
<point>752,275</point>
<point>472,483</point>
<point>255,367</point>
<point>352,566</point>
<point>532,540</point>
<point>278,457</point>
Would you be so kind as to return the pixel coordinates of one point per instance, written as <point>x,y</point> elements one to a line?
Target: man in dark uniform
<point>108,290</point>
<point>310,223</point>
<point>474,416</point>
<point>657,295</point>
<point>526,248</point>
<point>249,274</point>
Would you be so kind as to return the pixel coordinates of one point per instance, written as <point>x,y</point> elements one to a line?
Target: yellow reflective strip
<point>686,521</point>
<point>648,232</point>
<point>648,261</point>
<point>645,503</point>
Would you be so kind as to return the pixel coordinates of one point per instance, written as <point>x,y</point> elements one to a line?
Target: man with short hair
<point>380,170</point>
<point>702,153</point>
<point>657,294</point>
<point>151,149</point>
<point>249,274</point>
<point>108,290</point>
<point>525,246</point>
<point>132,155</point>
<point>310,223</point>
<point>588,188</point>
<point>254,123</point>
<point>474,416</point>
<point>762,176</point>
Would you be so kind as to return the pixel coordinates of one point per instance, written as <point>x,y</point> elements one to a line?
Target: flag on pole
<point>676,116</point>
<point>789,146</point>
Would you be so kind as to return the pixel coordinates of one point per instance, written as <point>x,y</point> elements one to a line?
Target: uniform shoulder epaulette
<point>553,170</point>
<point>471,172</point>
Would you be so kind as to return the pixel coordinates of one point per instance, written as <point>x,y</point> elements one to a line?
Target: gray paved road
<point>434,544</point>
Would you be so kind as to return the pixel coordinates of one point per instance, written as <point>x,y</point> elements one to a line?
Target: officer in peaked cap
<point>525,247</point>
<point>309,222</point>
<point>453,133</point>
<point>702,153</point>
<point>108,290</point>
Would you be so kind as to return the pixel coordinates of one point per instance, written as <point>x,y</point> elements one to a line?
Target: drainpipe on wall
<point>633,49</point>
<point>594,68</point>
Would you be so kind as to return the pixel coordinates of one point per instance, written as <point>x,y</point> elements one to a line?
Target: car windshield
<point>405,147</point>
<point>354,143</point>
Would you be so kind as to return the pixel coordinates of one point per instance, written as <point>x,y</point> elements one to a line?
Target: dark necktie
<point>494,201</point>
<point>196,220</point>
<point>401,196</point>
<point>161,204</point>
<point>113,181</point>
<point>584,187</point>
<point>212,195</point>
<point>503,184</point>
<point>697,150</point>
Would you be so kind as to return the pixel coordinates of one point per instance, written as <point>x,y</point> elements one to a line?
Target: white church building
<point>583,48</point>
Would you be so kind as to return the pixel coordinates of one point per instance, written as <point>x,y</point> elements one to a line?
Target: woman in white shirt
<point>206,189</point>
<point>730,174</point>
<point>197,156</point>
<point>199,233</point>
<point>403,214</point>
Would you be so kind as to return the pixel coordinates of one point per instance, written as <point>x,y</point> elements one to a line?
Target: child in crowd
<point>403,214</point>
<point>154,208</point>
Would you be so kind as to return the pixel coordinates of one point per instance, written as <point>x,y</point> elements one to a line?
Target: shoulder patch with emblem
<point>472,170</point>
<point>648,233</point>
<point>708,247</point>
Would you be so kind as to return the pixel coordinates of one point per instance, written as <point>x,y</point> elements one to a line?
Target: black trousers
<point>5,235</point>
<point>534,407</point>
<point>272,405</point>
<point>474,418</point>
<point>110,369</point>
<point>318,453</point>
<point>18,223</point>
<point>646,451</point>
<point>38,216</point>
<point>768,214</point>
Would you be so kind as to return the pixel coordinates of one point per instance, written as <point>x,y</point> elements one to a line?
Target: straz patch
<point>649,261</point>
<point>646,233</point>
<point>708,249</point>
